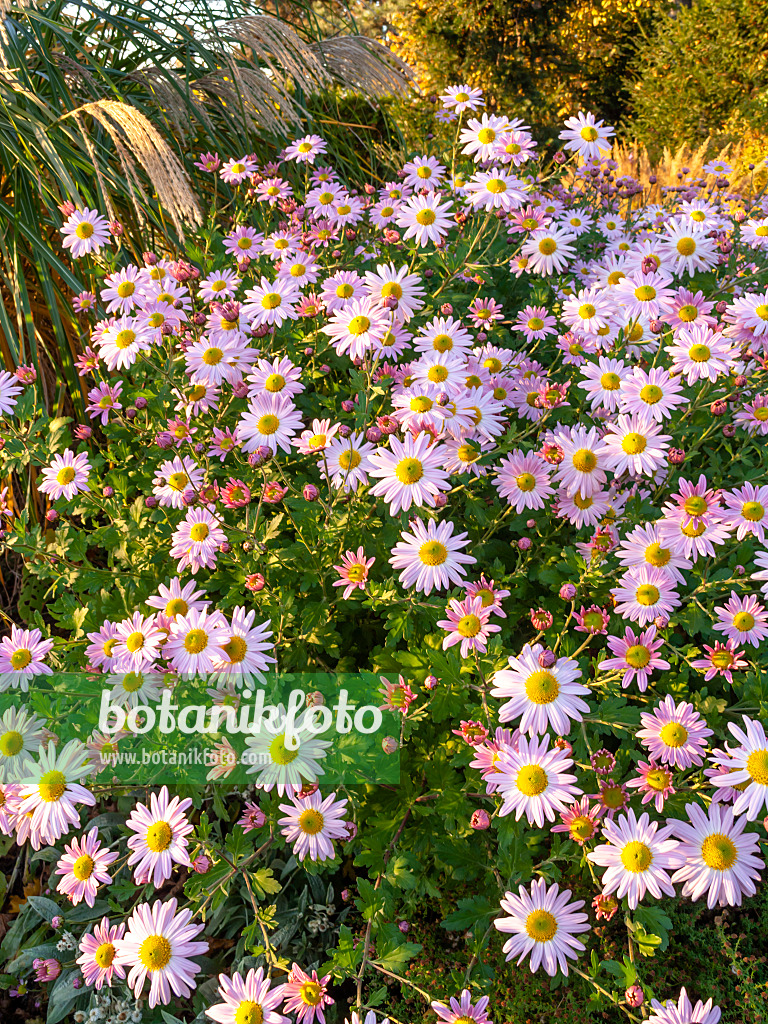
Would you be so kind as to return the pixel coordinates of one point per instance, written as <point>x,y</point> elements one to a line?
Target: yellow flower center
<point>125,289</point>
<point>135,641</point>
<point>722,659</point>
<point>686,246</point>
<point>409,471</point>
<point>356,573</point>
<point>651,394</point>
<point>615,277</point>
<point>11,743</point>
<point>584,460</point>
<point>638,656</point>
<point>582,828</point>
<point>52,786</point>
<point>442,342</point>
<point>432,552</point>
<point>104,955</point>
<point>271,300</point>
<point>496,185</point>
<point>84,230</point>
<point>299,269</point>
<point>486,135</point>
<point>633,444</point>
<point>311,993</point>
<point>752,511</point>
<point>212,356</point>
<point>155,952</point>
<point>610,382</point>
<point>469,625</point>
<point>425,217</point>
<point>391,289</point>
<point>541,925</point>
<point>125,338</point>
<point>268,424</point>
<point>645,293</point>
<point>743,621</point>
<point>582,503</point>
<point>646,594</point>
<point>636,857</point>
<point>236,649</point>
<point>547,246</point>
<point>196,641</point>
<point>358,325</point>
<point>762,311</point>
<point>83,867</point>
<point>178,481</point>
<point>133,682</point>
<point>532,780</point>
<point>762,231</point>
<point>21,658</point>
<point>249,1012</point>
<point>718,852</point>
<point>198,532</point>
<point>311,821</point>
<point>65,475</point>
<point>688,313</point>
<point>279,753</point>
<point>658,779</point>
<point>437,374</point>
<point>673,734</point>
<point>345,291</point>
<point>304,147</point>
<point>542,687</point>
<point>761,413</point>
<point>421,404</point>
<point>699,353</point>
<point>526,481</point>
<point>587,311</point>
<point>757,766</point>
<point>589,133</point>
<point>349,459</point>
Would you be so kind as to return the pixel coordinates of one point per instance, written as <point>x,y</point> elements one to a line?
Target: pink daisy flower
<point>700,354</point>
<point>743,620</point>
<point>83,866</point>
<point>722,659</point>
<point>535,322</point>
<point>612,796</point>
<point>746,511</point>
<point>544,697</point>
<point>719,857</point>
<point>398,696</point>
<point>85,231</point>
<point>311,823</point>
<point>636,656</point>
<point>534,780</point>
<point>196,541</point>
<point>161,837</point>
<point>591,620</point>
<point>247,1000</point>
<point>582,470</point>
<point>137,643</point>
<point>674,733</point>
<point>306,995</point>
<point>654,781</point>
<point>158,946</point>
<point>580,821</point>
<point>683,1010</point>
<point>431,557</point>
<point>51,789</point>
<point>353,571</point>
<point>22,657</point>
<point>524,480</point>
<point>236,171</point>
<point>103,400</point>
<point>97,960</point>
<point>645,592</point>
<point>463,1010</point>
<point>410,473</point>
<point>652,392</point>
<point>467,623</point>
<point>544,923</point>
<point>196,642</point>
<point>252,818</point>
<point>634,445</point>
<point>637,855</point>
<point>317,438</point>
<point>490,595</point>
<point>66,476</point>
<point>747,766</point>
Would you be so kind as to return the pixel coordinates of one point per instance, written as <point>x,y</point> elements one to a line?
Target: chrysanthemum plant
<point>499,443</point>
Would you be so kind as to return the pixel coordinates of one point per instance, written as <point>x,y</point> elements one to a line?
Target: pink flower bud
<point>480,820</point>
